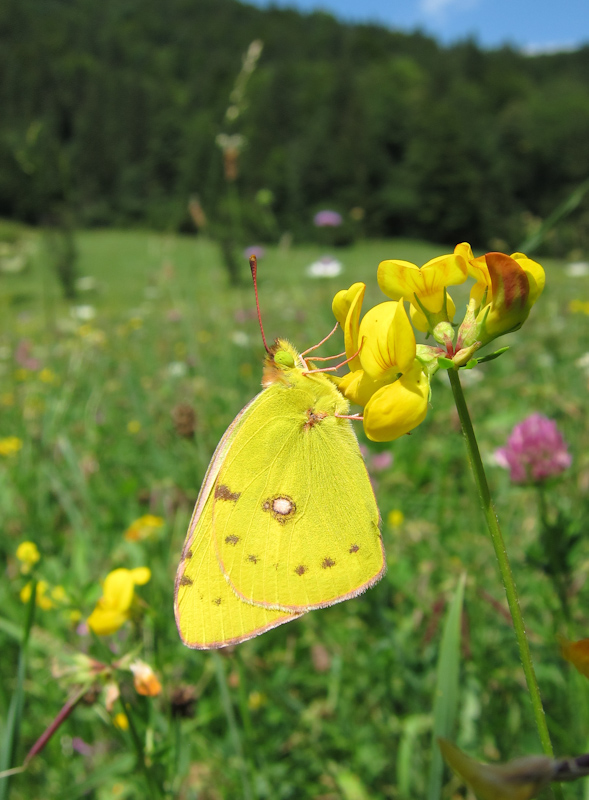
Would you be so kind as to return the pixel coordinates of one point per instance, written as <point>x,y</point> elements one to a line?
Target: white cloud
<point>439,7</point>
<point>549,48</point>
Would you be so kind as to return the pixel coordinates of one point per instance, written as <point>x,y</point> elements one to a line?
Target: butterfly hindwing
<point>295,521</point>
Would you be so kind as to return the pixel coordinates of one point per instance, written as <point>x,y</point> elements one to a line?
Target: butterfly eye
<point>284,359</point>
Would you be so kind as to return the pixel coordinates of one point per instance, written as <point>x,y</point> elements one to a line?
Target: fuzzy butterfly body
<point>286,519</point>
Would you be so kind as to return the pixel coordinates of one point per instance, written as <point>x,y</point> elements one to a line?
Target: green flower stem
<point>480,478</point>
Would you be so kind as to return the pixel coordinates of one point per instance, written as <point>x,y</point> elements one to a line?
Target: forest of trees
<point>111,109</point>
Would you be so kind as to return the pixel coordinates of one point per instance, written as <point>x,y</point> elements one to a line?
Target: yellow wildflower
<point>579,307</point>
<point>10,445</point>
<point>28,554</point>
<point>395,518</point>
<point>424,287</point>
<point>7,398</point>
<point>114,607</point>
<point>134,426</point>
<point>58,594</point>
<point>143,528</point>
<point>144,679</point>
<point>47,376</point>
<point>256,700</point>
<point>41,598</point>
<point>120,721</point>
<point>386,377</point>
<point>506,288</point>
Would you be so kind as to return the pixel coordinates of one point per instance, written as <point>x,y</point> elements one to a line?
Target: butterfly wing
<point>208,612</point>
<point>295,521</point>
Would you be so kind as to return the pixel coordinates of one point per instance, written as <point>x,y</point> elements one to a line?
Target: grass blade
<point>446,698</point>
<point>12,725</point>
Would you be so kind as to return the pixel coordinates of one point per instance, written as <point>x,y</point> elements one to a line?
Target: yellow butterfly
<point>286,519</point>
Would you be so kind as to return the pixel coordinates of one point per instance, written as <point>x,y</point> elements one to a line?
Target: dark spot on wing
<point>186,581</point>
<point>354,548</point>
<point>301,569</point>
<point>223,492</point>
<point>253,559</point>
<point>217,601</point>
<point>187,555</point>
<point>327,563</point>
<point>233,539</point>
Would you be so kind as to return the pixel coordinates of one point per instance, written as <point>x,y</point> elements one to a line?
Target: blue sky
<point>533,25</point>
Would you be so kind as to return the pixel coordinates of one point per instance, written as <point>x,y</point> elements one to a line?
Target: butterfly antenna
<point>254,269</point>
<point>329,335</point>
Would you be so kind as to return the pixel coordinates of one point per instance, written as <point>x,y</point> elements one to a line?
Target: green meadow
<point>118,399</point>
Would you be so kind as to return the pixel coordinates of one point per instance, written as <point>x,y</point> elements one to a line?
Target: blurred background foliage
<point>111,110</point>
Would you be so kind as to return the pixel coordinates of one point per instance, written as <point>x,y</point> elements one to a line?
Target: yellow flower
<point>395,518</point>
<point>579,307</point>
<point>28,554</point>
<point>120,721</point>
<point>346,307</point>
<point>256,700</point>
<point>58,594</point>
<point>134,426</point>
<point>144,679</point>
<point>385,378</point>
<point>399,407</point>
<point>506,288</point>
<point>114,607</point>
<point>47,376</point>
<point>7,398</point>
<point>424,287</point>
<point>41,598</point>
<point>143,528</point>
<point>10,445</point>
<point>520,779</point>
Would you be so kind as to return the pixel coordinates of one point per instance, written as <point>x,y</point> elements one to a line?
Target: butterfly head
<point>282,364</point>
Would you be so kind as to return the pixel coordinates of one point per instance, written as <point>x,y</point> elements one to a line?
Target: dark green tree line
<point>111,109</point>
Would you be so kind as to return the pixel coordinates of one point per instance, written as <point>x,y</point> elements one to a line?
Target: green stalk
<point>232,724</point>
<point>152,784</point>
<point>480,479</point>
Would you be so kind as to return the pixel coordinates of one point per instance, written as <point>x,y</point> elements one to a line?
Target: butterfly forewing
<point>295,521</point>
<point>208,612</point>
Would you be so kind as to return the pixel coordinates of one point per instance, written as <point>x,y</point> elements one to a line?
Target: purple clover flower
<point>382,461</point>
<point>255,250</point>
<point>327,219</point>
<point>535,451</point>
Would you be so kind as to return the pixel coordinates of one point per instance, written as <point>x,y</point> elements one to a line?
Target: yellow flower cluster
<point>114,607</point>
<point>10,445</point>
<point>389,372</point>
<point>143,528</point>
<point>46,597</point>
<point>28,555</point>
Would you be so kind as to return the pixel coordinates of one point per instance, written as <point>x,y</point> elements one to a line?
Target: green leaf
<point>446,697</point>
<point>493,356</point>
